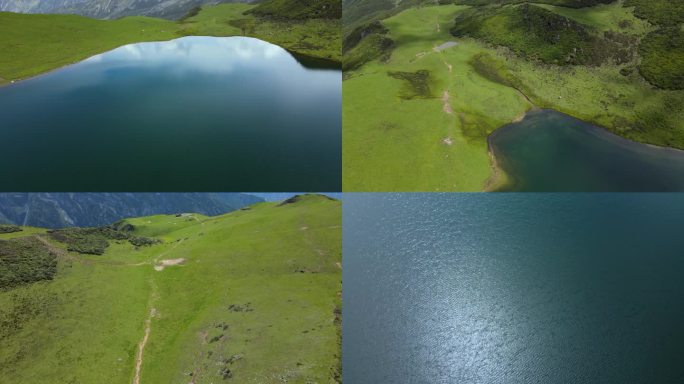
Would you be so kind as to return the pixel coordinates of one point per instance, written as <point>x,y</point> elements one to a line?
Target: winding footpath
<point>148,321</point>
<point>146,337</point>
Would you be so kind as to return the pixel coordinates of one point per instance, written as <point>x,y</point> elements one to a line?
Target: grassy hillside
<point>247,297</point>
<point>563,3</point>
<point>299,9</point>
<point>662,50</point>
<point>539,33</point>
<point>659,12</point>
<point>33,44</point>
<point>586,62</point>
<point>605,34</point>
<point>360,12</point>
<point>311,37</point>
<point>366,43</point>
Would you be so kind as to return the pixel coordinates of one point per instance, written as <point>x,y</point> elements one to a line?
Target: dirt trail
<point>448,66</point>
<point>152,313</point>
<point>148,330</point>
<point>50,247</point>
<point>446,97</point>
<point>141,346</point>
<point>197,220</point>
<point>446,107</point>
<point>159,256</point>
<point>59,252</point>
<point>197,371</point>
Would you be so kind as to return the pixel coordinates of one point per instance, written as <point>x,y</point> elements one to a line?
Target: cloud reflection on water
<point>209,54</point>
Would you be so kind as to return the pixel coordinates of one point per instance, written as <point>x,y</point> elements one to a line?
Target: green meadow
<point>417,115</point>
<point>432,141</point>
<point>33,44</point>
<point>252,296</point>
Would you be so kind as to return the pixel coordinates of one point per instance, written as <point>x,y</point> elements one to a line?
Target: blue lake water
<point>513,288</point>
<point>192,114</point>
<point>552,152</point>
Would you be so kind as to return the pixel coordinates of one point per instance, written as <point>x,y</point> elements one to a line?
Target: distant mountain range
<point>110,9</point>
<point>58,210</point>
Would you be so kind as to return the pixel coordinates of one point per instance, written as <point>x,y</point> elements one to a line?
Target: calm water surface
<point>550,151</point>
<point>196,113</point>
<point>513,288</point>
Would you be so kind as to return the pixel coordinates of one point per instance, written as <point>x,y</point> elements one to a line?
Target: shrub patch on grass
<point>8,228</point>
<point>139,241</point>
<point>24,261</point>
<point>538,34</point>
<point>82,240</point>
<point>417,84</point>
<point>662,53</point>
<point>659,12</point>
<point>94,241</point>
<point>366,43</point>
<point>359,33</point>
<point>22,307</point>
<point>299,9</point>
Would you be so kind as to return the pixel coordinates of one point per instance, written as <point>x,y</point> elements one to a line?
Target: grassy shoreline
<point>504,181</point>
<point>36,44</point>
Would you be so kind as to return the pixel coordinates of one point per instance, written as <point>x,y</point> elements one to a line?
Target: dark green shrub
<point>417,83</point>
<point>538,34</point>
<point>90,241</point>
<point>298,9</point>
<point>8,228</point>
<point>662,54</point>
<point>359,33</point>
<point>25,260</point>
<point>143,241</point>
<point>659,12</point>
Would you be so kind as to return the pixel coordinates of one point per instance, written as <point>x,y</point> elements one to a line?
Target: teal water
<point>513,288</point>
<point>192,114</point>
<point>552,152</point>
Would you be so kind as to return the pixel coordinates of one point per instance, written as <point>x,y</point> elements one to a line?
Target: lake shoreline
<point>311,61</point>
<point>500,178</point>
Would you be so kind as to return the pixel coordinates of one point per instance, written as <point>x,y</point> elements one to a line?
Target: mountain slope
<point>56,210</point>
<point>299,9</point>
<point>249,296</point>
<point>538,33</point>
<point>108,9</point>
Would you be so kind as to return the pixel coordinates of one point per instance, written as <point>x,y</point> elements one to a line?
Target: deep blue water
<point>552,152</point>
<point>513,288</point>
<point>192,114</point>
